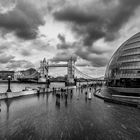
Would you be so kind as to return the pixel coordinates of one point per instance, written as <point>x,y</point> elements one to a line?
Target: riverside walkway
<point>48,117</point>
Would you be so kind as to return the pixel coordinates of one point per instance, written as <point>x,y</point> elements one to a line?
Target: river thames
<point>15,87</point>
<point>47,117</point>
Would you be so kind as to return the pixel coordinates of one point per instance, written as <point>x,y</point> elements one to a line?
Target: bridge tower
<point>70,71</point>
<point>43,70</point>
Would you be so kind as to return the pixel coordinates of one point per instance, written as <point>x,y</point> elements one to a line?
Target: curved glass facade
<point>124,66</point>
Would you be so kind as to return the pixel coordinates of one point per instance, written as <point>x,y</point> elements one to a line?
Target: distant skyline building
<point>4,75</point>
<point>29,73</point>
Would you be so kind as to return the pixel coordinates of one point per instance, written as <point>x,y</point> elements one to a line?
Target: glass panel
<point>130,51</point>
<point>131,57</point>
<point>134,40</point>
<point>132,45</point>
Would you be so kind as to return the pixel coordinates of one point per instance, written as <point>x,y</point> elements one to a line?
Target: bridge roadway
<point>73,118</point>
<point>58,65</point>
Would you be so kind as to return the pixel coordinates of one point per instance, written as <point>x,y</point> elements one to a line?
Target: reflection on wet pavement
<point>68,115</point>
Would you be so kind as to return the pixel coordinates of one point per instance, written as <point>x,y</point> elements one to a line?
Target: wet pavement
<point>72,117</point>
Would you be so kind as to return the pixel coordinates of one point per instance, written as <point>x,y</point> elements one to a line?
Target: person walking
<point>89,94</point>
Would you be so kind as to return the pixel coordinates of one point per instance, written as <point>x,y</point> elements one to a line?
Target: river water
<point>47,117</point>
<point>15,87</point>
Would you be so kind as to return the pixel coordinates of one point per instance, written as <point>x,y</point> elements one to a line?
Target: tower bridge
<point>44,69</point>
<point>72,71</point>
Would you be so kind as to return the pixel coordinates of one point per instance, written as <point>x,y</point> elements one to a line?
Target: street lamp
<point>48,82</point>
<point>9,90</point>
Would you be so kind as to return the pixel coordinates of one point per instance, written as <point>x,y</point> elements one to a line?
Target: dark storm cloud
<point>96,60</point>
<point>64,45</point>
<point>24,20</point>
<point>98,50</point>
<point>6,58</point>
<point>20,64</point>
<point>99,61</point>
<point>75,15</point>
<point>99,23</point>
<point>3,48</point>
<point>61,37</point>
<point>26,52</point>
<point>42,45</point>
<point>94,54</point>
<point>125,11</point>
<point>63,57</point>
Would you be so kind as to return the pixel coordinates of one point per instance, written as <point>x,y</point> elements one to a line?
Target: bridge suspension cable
<point>83,74</point>
<point>76,69</point>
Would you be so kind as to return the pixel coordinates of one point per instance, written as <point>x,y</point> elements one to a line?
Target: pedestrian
<point>89,94</point>
<point>86,93</point>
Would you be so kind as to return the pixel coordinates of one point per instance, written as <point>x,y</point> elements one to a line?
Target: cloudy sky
<point>88,30</point>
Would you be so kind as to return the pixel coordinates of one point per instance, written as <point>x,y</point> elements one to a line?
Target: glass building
<point>123,69</point>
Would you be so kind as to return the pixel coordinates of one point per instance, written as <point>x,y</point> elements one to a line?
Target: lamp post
<point>48,83</point>
<point>9,79</point>
<point>75,81</point>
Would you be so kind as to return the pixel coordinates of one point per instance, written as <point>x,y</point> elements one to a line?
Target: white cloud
<point>92,58</point>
